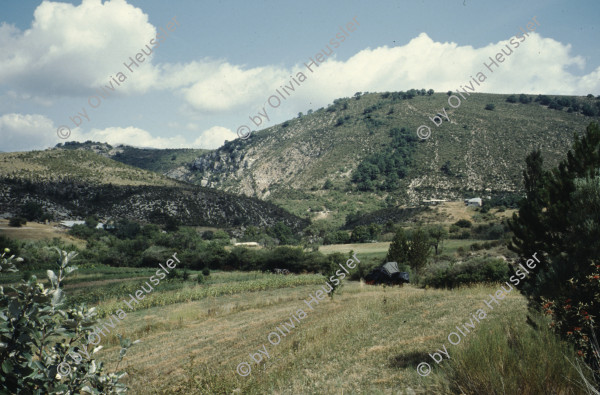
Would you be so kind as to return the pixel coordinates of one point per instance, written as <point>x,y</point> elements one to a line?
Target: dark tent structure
<point>388,274</point>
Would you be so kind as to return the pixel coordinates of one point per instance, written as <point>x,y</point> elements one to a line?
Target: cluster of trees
<point>587,107</point>
<point>383,170</point>
<point>523,98</point>
<point>30,211</point>
<point>409,94</point>
<point>559,220</point>
<point>413,248</point>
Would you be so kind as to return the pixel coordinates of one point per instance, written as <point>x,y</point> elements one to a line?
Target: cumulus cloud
<point>538,65</point>
<point>23,132</point>
<point>130,135</point>
<point>136,137</point>
<point>71,50</point>
<point>214,138</point>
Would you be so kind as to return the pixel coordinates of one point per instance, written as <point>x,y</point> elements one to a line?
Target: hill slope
<point>77,183</point>
<point>477,152</point>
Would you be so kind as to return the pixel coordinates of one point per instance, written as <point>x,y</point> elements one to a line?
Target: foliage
<point>419,249</point>
<point>31,320</point>
<point>31,211</point>
<point>490,106</point>
<point>414,249</point>
<point>17,222</point>
<point>478,270</point>
<point>398,251</point>
<point>383,170</point>
<point>559,220</point>
<point>437,233</point>
<point>463,223</point>
<point>364,234</point>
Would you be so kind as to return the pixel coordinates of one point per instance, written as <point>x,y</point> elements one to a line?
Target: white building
<point>476,202</point>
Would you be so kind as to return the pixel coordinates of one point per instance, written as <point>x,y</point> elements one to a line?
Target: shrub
<point>476,247</point>
<point>463,223</point>
<point>490,107</point>
<point>446,275</point>
<point>200,278</point>
<point>17,222</point>
<point>33,319</point>
<point>206,272</point>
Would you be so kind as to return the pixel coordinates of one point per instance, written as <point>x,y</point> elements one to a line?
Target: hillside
<point>76,183</point>
<point>479,152</point>
<point>161,161</point>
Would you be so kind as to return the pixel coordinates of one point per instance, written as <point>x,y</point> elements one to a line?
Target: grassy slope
<point>157,160</point>
<point>486,150</point>
<point>85,166</point>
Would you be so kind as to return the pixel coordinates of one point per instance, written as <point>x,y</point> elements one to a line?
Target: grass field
<point>37,231</point>
<point>368,339</point>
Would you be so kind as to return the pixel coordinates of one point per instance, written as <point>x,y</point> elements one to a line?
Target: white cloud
<point>71,50</point>
<point>130,135</point>
<point>23,132</point>
<point>537,65</point>
<point>214,138</point>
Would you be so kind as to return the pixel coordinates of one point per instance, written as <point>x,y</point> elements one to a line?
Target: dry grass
<point>36,231</point>
<point>367,340</point>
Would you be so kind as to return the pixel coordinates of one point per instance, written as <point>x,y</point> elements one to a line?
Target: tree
<point>171,224</point>
<point>559,220</point>
<point>438,233</point>
<point>449,93</point>
<point>398,251</point>
<point>31,211</point>
<point>420,248</point>
<point>91,221</point>
<point>430,92</point>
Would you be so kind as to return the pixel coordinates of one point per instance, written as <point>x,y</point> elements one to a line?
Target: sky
<point>65,65</point>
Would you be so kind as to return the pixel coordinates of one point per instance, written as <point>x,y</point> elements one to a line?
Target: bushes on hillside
<point>478,270</point>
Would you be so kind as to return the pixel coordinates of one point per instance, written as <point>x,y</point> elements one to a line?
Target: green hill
<point>478,153</point>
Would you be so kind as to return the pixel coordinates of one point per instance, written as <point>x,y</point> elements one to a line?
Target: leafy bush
<point>206,272</point>
<point>17,222</point>
<point>448,275</point>
<point>490,107</point>
<point>33,319</point>
<point>463,223</point>
<point>200,278</point>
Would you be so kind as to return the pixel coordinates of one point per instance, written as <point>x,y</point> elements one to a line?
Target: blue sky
<point>226,58</point>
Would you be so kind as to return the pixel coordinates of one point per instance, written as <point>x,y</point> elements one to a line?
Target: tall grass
<point>514,358</point>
